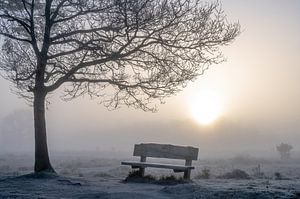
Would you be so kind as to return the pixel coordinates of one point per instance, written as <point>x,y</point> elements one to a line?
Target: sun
<point>205,107</point>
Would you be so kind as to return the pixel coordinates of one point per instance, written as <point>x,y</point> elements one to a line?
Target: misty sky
<point>258,87</point>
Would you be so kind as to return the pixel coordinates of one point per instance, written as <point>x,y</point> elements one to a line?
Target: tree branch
<point>15,38</point>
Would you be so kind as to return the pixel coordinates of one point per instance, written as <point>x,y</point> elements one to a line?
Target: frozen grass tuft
<point>171,180</point>
<point>205,174</point>
<point>134,176</point>
<point>236,174</point>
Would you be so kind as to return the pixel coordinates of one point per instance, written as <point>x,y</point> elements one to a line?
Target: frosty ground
<point>94,175</point>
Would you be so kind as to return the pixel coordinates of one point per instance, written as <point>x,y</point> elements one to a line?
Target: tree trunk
<point>42,162</point>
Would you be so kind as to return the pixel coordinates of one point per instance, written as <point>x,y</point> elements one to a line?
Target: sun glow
<point>205,107</point>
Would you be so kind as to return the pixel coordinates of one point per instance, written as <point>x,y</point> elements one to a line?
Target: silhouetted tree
<point>126,52</point>
<point>284,151</point>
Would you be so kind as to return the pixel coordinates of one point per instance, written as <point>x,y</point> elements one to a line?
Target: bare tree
<point>126,52</point>
<point>284,151</point>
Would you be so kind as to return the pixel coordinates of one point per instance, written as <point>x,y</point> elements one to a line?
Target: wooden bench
<point>164,151</point>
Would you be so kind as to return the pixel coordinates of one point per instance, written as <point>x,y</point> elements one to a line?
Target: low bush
<point>170,180</point>
<point>235,174</point>
<point>134,176</point>
<point>205,174</point>
<point>278,176</point>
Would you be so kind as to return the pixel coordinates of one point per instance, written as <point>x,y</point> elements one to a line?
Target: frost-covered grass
<point>134,177</point>
<point>94,176</point>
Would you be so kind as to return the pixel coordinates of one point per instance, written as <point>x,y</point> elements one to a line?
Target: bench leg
<point>141,172</point>
<point>187,175</point>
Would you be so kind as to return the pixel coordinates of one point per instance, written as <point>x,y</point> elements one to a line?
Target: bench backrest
<point>166,151</point>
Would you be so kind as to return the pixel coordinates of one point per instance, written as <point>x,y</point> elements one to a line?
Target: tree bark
<point>42,162</point>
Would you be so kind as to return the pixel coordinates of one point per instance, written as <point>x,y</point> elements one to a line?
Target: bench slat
<point>166,151</point>
<point>156,165</point>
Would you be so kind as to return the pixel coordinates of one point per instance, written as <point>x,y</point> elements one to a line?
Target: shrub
<point>134,176</point>
<point>257,173</point>
<point>170,180</point>
<point>278,176</point>
<point>236,174</point>
<point>205,174</point>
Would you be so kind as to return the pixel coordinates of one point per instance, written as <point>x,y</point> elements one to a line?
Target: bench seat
<point>168,151</point>
<point>178,168</point>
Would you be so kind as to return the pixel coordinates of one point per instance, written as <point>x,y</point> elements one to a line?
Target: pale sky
<point>258,88</point>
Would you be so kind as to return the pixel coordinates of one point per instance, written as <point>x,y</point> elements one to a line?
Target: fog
<point>259,85</point>
<point>71,129</point>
